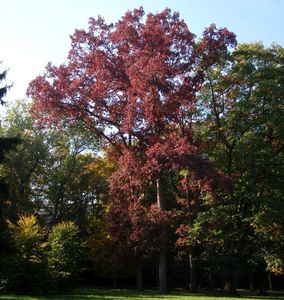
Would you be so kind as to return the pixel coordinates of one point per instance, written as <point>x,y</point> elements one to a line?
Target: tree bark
<point>163,287</point>
<point>160,196</point>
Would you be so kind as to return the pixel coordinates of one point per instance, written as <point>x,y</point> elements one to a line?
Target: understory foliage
<point>40,261</point>
<point>64,253</point>
<point>147,150</point>
<point>24,268</point>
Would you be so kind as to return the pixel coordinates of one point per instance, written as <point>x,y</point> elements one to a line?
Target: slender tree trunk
<point>210,279</point>
<point>192,264</point>
<point>270,282</point>
<point>262,283</point>
<point>163,272</point>
<point>160,197</point>
<point>192,254</point>
<point>115,283</point>
<point>251,281</point>
<point>139,279</point>
<point>163,287</point>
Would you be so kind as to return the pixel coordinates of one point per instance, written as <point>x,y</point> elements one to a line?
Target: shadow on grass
<point>244,294</point>
<point>110,294</point>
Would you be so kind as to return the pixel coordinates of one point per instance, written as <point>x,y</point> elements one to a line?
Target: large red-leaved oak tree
<point>134,84</point>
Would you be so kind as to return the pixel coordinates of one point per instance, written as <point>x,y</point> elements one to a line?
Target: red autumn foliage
<point>135,85</point>
<point>132,81</point>
<point>139,230</point>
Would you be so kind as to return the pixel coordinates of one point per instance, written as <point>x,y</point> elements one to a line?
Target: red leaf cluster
<point>136,227</point>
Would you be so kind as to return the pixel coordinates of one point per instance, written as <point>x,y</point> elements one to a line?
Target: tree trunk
<point>192,264</point>
<point>251,281</point>
<point>115,283</point>
<point>210,279</point>
<point>270,282</point>
<point>163,257</point>
<point>160,196</point>
<point>163,272</point>
<point>262,283</point>
<point>192,255</point>
<point>139,279</point>
<point>230,285</point>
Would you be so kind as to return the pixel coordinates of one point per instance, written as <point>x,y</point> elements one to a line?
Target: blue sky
<point>34,32</point>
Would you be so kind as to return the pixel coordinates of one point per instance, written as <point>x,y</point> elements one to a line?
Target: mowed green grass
<point>96,294</point>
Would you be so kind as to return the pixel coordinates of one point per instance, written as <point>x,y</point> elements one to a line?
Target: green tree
<point>5,88</point>
<point>65,252</point>
<point>28,236</point>
<point>243,125</point>
<point>69,184</point>
<point>50,171</point>
<point>25,266</point>
<point>6,143</point>
<point>25,162</point>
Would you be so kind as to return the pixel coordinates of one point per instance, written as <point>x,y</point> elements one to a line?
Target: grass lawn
<point>96,294</point>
